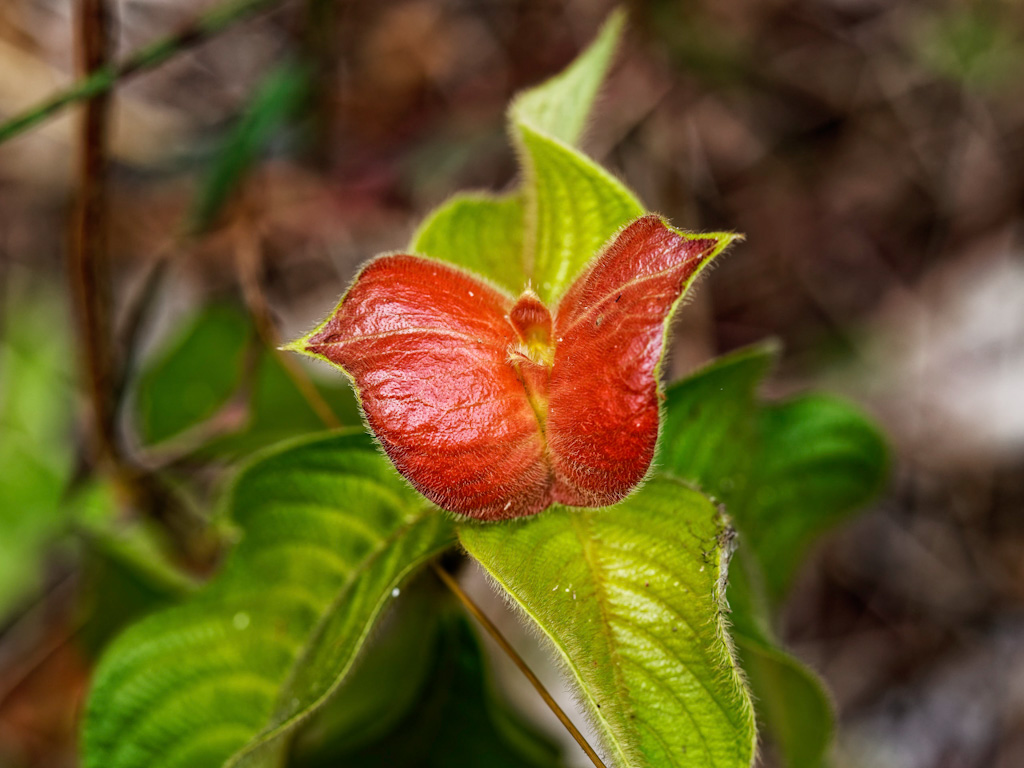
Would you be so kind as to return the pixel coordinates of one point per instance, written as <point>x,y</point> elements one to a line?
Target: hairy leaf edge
<point>619,745</point>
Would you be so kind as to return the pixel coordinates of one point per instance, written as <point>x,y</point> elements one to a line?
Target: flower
<point>496,407</point>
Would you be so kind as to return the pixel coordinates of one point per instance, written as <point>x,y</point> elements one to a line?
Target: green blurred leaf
<point>36,436</point>
<point>385,684</point>
<point>126,575</point>
<point>329,530</point>
<point>790,700</point>
<point>198,372</point>
<point>275,103</point>
<point>195,375</point>
<point>792,705</point>
<point>786,471</point>
<point>709,423</point>
<point>478,232</point>
<point>820,460</point>
<point>977,44</point>
<point>277,410</point>
<point>631,596</point>
<point>572,205</point>
<point>455,718</point>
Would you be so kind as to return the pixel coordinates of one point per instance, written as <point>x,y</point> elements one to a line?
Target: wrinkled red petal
<point>494,409</point>
<point>427,347</point>
<point>602,423</point>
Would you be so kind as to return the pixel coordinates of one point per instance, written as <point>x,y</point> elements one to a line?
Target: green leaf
<point>329,530</point>
<point>560,107</point>
<point>786,472</point>
<point>709,426</point>
<point>195,375</point>
<point>820,460</point>
<point>791,702</point>
<point>792,705</point>
<point>632,597</point>
<point>478,232</point>
<point>276,101</point>
<point>36,435</point>
<point>126,576</point>
<point>572,205</point>
<point>455,718</point>
<point>386,682</point>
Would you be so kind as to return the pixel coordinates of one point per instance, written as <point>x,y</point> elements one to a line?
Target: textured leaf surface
<point>454,719</point>
<point>572,206</point>
<point>328,531</point>
<point>478,232</point>
<point>491,407</point>
<point>631,596</point>
<point>603,412</point>
<point>560,107</point>
<point>427,347</point>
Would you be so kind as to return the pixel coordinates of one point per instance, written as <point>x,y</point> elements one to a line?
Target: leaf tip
<point>299,345</point>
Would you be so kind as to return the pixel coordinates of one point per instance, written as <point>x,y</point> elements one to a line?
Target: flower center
<point>532,321</point>
<point>533,354</point>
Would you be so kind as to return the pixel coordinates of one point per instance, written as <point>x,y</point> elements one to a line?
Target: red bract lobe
<point>495,407</point>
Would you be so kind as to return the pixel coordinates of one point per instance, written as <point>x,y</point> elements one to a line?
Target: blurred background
<point>872,152</point>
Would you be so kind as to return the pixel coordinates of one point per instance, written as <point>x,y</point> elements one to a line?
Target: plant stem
<point>87,256</point>
<point>101,77</point>
<point>249,260</point>
<point>511,652</point>
<point>90,290</point>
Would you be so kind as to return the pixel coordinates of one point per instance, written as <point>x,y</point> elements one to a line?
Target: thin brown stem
<point>87,258</point>
<point>249,258</point>
<point>511,652</point>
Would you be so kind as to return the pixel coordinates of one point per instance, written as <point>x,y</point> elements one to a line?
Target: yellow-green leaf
<point>632,597</point>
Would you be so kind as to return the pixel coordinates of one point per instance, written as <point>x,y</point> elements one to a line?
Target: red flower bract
<point>493,407</point>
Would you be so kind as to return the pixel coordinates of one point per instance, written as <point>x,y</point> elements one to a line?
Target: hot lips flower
<point>494,406</point>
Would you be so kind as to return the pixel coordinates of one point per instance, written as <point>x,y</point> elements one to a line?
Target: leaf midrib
<point>577,521</point>
<point>373,557</point>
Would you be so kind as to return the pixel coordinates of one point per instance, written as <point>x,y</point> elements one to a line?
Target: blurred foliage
<point>215,362</point>
<point>194,375</point>
<point>36,440</point>
<point>276,102</point>
<point>980,44</point>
